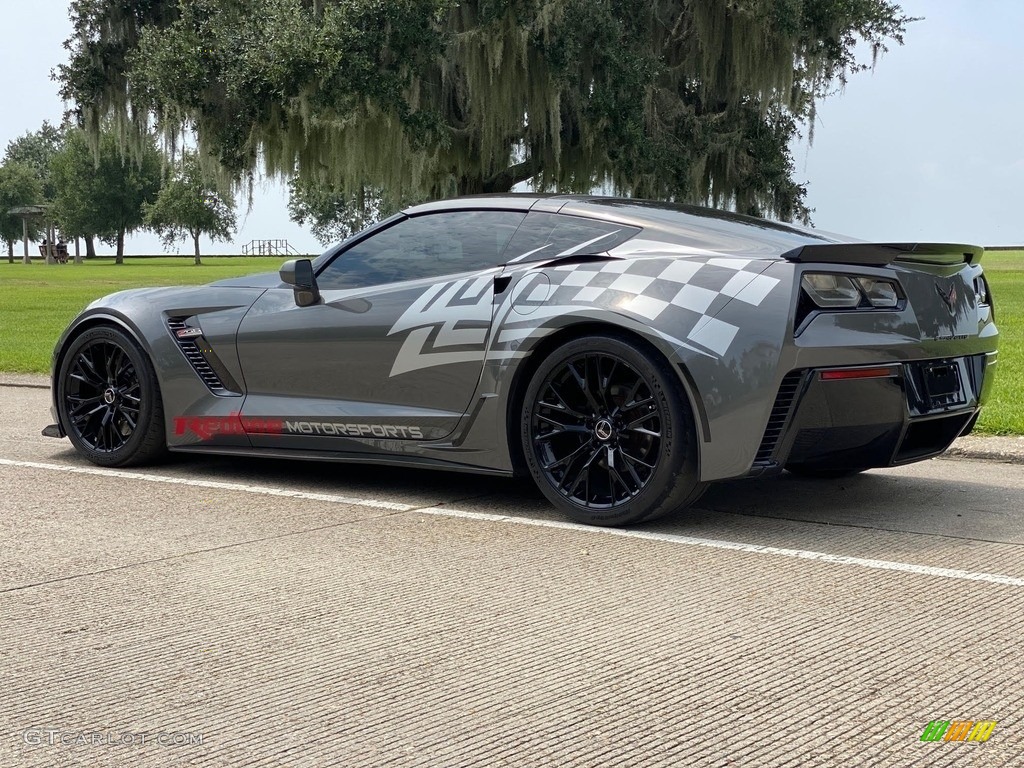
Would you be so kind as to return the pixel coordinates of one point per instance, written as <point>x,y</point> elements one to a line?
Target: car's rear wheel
<point>109,401</point>
<point>608,435</point>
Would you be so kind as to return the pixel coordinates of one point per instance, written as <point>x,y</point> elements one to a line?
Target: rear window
<point>544,236</point>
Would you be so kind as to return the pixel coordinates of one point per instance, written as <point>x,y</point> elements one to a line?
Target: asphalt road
<point>227,612</point>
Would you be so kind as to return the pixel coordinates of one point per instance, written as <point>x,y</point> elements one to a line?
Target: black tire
<point>108,400</point>
<point>822,473</point>
<point>599,404</point>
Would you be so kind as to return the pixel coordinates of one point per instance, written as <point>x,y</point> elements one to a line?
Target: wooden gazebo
<point>28,212</point>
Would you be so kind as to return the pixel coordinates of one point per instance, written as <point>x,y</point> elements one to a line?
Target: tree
<point>100,190</point>
<point>18,186</point>
<point>689,100</point>
<point>36,150</point>
<point>331,215</point>
<point>189,206</point>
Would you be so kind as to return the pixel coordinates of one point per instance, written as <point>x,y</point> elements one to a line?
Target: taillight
<point>879,293</point>
<point>832,291</point>
<point>983,295</point>
<point>981,289</point>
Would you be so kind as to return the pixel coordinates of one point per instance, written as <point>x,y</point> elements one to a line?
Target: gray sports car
<point>625,353</point>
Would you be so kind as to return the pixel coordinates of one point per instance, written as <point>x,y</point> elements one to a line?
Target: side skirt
<point>417,462</point>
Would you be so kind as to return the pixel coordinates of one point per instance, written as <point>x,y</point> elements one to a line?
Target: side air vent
<point>196,350</point>
<point>779,415</point>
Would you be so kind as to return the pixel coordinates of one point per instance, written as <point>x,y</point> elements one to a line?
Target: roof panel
<point>690,226</point>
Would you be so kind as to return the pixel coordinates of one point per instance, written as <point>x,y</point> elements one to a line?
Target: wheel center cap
<point>109,395</point>
<point>603,429</point>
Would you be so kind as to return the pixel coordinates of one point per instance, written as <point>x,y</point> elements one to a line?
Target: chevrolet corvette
<point>624,353</point>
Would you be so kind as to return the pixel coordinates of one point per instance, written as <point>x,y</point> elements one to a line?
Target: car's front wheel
<point>108,399</point>
<point>608,435</point>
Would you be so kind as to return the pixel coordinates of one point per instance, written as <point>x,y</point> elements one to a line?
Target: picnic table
<point>58,251</point>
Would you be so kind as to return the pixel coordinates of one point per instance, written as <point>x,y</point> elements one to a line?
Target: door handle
<point>501,283</point>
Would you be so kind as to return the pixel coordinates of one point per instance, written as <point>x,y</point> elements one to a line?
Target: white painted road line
<point>260,489</point>
<point>671,538</point>
<point>736,546</point>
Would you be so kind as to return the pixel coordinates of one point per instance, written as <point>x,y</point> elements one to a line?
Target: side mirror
<point>298,273</point>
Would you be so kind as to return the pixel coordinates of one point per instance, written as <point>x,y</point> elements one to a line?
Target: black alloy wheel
<point>597,430</point>
<point>108,399</point>
<point>608,435</point>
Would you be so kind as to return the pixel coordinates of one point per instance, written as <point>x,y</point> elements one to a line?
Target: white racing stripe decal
<point>670,538</point>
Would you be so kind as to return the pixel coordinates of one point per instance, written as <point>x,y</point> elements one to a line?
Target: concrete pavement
<point>242,612</point>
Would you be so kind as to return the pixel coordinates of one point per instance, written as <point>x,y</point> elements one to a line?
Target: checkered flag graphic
<point>681,294</point>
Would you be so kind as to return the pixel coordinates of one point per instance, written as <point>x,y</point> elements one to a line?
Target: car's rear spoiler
<point>883,254</point>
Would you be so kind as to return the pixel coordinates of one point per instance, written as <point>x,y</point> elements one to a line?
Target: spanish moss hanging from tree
<point>376,104</point>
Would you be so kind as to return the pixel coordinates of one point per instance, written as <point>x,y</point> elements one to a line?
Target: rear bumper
<point>873,416</point>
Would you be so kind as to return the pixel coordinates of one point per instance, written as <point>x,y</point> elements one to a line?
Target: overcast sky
<point>926,147</point>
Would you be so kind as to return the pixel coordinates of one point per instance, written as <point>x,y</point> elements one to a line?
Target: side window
<point>430,245</point>
<point>546,235</point>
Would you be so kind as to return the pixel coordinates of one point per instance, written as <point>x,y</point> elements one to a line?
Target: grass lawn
<point>1004,412</point>
<point>38,301</point>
